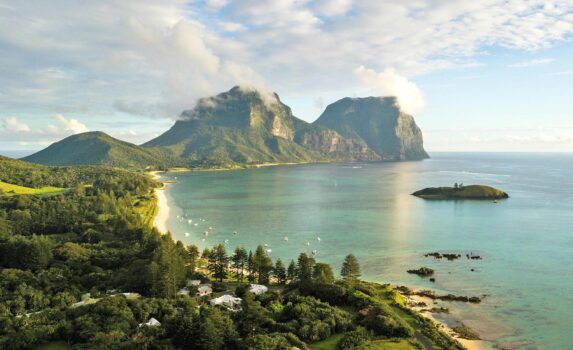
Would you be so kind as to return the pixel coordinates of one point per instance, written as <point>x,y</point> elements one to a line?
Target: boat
<point>269,250</point>
<point>318,239</point>
<point>189,221</point>
<point>186,234</point>
<point>285,238</point>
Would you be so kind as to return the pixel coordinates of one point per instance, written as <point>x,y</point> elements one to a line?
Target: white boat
<point>314,252</point>
<point>234,232</point>
<point>307,243</point>
<point>186,234</point>
<point>226,241</point>
<point>269,250</point>
<point>285,238</point>
<point>210,227</point>
<point>266,245</point>
<point>206,233</point>
<point>189,221</point>
<point>195,224</point>
<point>318,239</point>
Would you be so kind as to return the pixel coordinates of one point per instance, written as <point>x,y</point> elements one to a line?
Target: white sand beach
<point>160,221</point>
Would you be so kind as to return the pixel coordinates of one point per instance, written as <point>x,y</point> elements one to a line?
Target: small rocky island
<point>461,192</point>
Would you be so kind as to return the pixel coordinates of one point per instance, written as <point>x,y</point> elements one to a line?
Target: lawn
<point>12,190</point>
<point>327,344</point>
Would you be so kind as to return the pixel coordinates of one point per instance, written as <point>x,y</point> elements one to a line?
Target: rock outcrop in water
<point>465,192</point>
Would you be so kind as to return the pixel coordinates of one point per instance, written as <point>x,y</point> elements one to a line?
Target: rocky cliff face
<point>245,126</point>
<point>379,123</point>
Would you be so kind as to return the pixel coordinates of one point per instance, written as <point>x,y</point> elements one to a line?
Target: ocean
<point>526,241</point>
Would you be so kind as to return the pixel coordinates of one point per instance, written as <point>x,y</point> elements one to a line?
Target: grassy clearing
<point>12,190</point>
<point>55,345</point>
<point>327,344</point>
<point>389,344</point>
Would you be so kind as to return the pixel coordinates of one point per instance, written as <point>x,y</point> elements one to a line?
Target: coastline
<point>162,215</point>
<point>413,300</point>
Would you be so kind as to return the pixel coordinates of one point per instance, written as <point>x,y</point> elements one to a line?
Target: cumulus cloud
<point>13,125</point>
<point>390,83</point>
<point>71,126</point>
<point>15,130</point>
<point>536,62</point>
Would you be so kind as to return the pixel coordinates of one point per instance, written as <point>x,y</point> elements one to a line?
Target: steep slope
<point>245,126</point>
<point>97,148</point>
<point>379,123</point>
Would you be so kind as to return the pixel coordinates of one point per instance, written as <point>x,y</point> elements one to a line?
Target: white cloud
<point>14,130</point>
<point>162,56</point>
<point>390,83</point>
<point>72,126</point>
<point>536,62</point>
<point>333,7</point>
<point>13,125</point>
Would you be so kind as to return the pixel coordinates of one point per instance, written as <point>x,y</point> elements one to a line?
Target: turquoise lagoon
<point>526,241</point>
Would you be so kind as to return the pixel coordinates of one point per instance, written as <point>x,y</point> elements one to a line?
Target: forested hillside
<point>83,269</point>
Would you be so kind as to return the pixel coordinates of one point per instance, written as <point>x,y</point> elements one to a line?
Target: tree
<point>304,268</point>
<point>218,262</point>
<point>291,271</point>
<point>350,270</point>
<point>322,273</point>
<point>239,263</point>
<point>251,268</point>
<point>263,265</point>
<point>193,251</point>
<point>280,272</point>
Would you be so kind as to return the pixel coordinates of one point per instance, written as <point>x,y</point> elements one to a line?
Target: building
<point>151,323</point>
<point>228,301</point>
<point>204,290</point>
<point>258,289</point>
<point>193,283</point>
<point>183,291</point>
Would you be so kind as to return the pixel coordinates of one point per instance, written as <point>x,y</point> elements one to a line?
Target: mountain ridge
<point>244,126</point>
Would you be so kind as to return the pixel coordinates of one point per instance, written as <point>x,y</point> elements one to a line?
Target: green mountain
<point>244,126</point>
<point>380,123</point>
<point>98,148</point>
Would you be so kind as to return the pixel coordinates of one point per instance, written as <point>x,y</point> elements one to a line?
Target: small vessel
<point>206,233</point>
<point>314,252</point>
<point>203,240</point>
<point>285,238</point>
<point>186,234</point>
<point>307,243</point>
<point>495,201</point>
<point>195,224</point>
<point>269,250</point>
<point>226,241</point>
<point>210,227</point>
<point>234,232</point>
<point>189,221</point>
<point>318,239</point>
<point>266,245</point>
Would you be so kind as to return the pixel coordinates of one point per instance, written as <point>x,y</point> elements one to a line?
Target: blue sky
<point>478,76</point>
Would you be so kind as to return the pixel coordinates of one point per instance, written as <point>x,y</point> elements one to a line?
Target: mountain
<point>97,148</point>
<point>379,123</point>
<point>245,126</point>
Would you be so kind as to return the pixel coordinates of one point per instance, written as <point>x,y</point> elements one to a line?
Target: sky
<point>486,75</point>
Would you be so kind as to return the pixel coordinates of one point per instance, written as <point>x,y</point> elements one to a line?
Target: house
<point>151,323</point>
<point>228,301</point>
<point>183,291</point>
<point>204,290</point>
<point>193,283</point>
<point>258,289</point>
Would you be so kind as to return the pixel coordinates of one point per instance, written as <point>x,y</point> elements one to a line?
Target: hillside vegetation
<point>97,240</point>
<point>98,148</point>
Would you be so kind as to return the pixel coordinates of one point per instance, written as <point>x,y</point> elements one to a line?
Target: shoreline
<point>162,215</point>
<point>160,223</point>
<point>412,300</point>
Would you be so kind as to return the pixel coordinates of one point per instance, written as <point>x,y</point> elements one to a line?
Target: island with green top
<point>462,192</point>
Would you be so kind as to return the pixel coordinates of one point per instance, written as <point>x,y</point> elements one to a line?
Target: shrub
<point>353,339</point>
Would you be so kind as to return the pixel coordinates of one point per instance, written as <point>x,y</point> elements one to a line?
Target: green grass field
<point>12,190</point>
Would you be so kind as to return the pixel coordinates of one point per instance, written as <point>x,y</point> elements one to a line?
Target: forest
<point>84,269</point>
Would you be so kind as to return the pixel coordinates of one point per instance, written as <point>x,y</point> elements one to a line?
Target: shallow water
<point>526,241</point>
